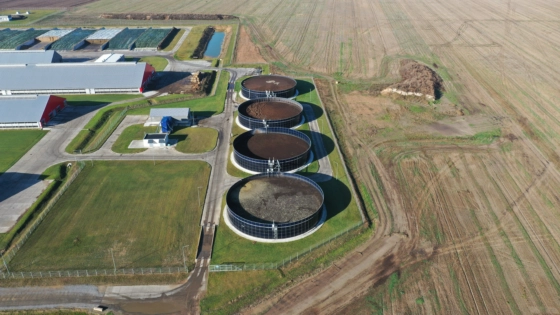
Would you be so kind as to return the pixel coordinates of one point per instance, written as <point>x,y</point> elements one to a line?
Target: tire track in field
<point>441,200</point>
<point>519,216</point>
<point>506,239</point>
<point>303,34</point>
<point>498,268</point>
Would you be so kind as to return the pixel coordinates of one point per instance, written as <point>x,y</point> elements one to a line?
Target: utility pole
<point>5,264</point>
<point>114,265</point>
<point>198,190</point>
<point>184,257</point>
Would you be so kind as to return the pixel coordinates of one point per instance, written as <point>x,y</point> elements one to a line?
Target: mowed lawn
<point>15,143</point>
<point>189,140</point>
<point>159,63</point>
<point>144,213</point>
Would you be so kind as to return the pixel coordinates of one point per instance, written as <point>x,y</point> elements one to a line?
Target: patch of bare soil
<point>418,81</point>
<point>246,51</point>
<point>165,17</point>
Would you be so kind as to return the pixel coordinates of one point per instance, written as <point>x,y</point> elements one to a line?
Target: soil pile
<point>418,81</point>
<point>155,16</point>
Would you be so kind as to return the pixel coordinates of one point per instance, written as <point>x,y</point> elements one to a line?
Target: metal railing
<point>284,262</point>
<point>91,273</point>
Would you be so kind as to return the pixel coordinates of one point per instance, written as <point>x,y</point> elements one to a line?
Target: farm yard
<point>482,241</point>
<point>463,189</point>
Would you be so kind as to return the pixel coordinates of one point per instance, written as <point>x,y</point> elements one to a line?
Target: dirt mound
<point>203,43</point>
<point>418,81</point>
<point>156,16</point>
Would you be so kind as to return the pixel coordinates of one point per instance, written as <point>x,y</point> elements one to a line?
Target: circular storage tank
<point>268,86</point>
<point>278,112</point>
<point>274,206</point>
<point>254,149</point>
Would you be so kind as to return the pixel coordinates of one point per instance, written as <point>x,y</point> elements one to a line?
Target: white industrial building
<point>110,58</point>
<point>181,116</point>
<point>19,57</point>
<point>75,78</point>
<point>152,140</point>
<point>5,18</point>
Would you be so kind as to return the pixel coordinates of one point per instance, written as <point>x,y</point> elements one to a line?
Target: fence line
<point>91,273</point>
<point>284,262</point>
<point>7,257</point>
<point>106,133</point>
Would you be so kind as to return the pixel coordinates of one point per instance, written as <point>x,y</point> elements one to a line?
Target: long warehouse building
<point>75,78</point>
<point>16,57</point>
<point>28,111</point>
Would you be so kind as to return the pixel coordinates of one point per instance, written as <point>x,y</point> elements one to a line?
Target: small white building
<point>110,58</point>
<point>152,140</point>
<point>5,18</point>
<point>181,116</point>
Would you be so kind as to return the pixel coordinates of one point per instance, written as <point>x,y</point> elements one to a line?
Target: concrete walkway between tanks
<point>325,169</point>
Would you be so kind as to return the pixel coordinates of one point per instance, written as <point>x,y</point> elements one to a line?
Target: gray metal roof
<point>57,33</point>
<point>59,76</point>
<point>173,112</point>
<point>27,56</point>
<point>22,108</point>
<point>105,33</point>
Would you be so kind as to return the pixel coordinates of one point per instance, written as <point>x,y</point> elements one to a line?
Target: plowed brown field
<point>465,227</point>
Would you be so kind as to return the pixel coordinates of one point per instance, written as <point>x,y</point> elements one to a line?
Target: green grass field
<point>144,212</point>
<point>35,16</point>
<point>97,99</point>
<point>134,132</point>
<point>190,140</point>
<point>174,42</point>
<point>189,45</point>
<point>195,140</point>
<point>15,143</point>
